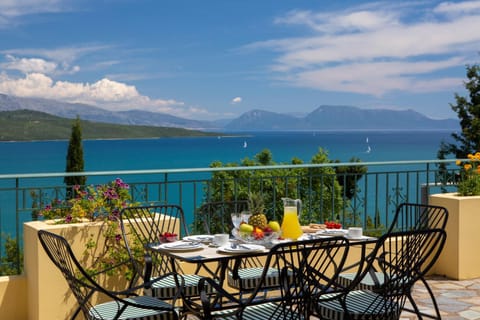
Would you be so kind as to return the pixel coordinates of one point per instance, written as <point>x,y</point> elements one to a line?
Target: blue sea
<point>140,154</point>
<point>200,152</point>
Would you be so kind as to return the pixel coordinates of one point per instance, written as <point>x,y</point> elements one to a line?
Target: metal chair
<point>214,217</point>
<point>144,225</point>
<point>243,274</point>
<point>403,258</point>
<point>305,269</point>
<point>408,216</point>
<point>119,305</point>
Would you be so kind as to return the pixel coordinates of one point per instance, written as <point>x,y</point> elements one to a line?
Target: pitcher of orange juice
<point>291,228</point>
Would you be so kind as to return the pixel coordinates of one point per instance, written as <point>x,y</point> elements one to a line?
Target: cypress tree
<point>75,162</point>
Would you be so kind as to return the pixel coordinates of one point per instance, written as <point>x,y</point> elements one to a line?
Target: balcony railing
<point>370,203</point>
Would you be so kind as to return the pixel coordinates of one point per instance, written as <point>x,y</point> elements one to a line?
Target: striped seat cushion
<point>360,304</point>
<point>108,310</point>
<point>167,288</point>
<point>270,311</point>
<point>367,283</point>
<point>250,277</point>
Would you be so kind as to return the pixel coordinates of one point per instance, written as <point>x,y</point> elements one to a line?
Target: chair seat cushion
<point>167,287</point>
<point>250,277</point>
<point>267,310</point>
<point>361,304</point>
<point>108,310</point>
<point>367,283</point>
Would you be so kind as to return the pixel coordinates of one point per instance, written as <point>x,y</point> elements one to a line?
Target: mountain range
<point>324,117</point>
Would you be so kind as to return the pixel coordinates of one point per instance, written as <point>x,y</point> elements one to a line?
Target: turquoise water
<point>143,154</point>
<point>100,155</point>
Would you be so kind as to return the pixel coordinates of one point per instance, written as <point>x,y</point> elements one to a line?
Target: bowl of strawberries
<point>168,237</point>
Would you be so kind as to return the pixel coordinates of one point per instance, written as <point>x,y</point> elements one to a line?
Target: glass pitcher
<point>291,228</point>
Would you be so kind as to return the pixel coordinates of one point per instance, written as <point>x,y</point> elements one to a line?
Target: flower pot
<point>459,259</point>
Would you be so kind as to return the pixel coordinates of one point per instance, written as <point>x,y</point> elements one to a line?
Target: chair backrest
<point>80,283</point>
<point>413,216</point>
<point>214,217</point>
<point>307,269</point>
<point>403,258</point>
<point>145,224</point>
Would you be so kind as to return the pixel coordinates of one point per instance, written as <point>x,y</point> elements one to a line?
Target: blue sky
<point>215,59</point>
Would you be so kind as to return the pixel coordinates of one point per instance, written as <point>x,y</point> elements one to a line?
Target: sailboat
<point>368,147</point>
<point>244,144</point>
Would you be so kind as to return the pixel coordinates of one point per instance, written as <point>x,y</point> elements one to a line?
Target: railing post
<point>17,225</point>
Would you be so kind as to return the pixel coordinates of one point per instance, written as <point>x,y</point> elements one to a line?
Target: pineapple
<point>257,207</point>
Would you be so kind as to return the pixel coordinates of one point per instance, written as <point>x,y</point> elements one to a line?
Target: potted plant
<point>102,205</point>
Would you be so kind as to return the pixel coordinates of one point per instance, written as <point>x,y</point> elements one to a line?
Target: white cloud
<point>454,8</point>
<point>105,93</point>
<point>236,100</point>
<point>10,10</point>
<point>13,8</point>
<point>64,57</point>
<point>377,78</point>
<point>378,47</point>
<point>26,65</point>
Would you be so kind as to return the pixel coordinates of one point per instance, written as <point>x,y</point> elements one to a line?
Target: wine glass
<point>246,216</point>
<point>236,219</point>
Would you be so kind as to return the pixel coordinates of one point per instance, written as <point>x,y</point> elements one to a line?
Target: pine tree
<point>468,111</point>
<point>75,162</point>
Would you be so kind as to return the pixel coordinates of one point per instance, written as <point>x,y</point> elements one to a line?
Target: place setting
<point>169,241</point>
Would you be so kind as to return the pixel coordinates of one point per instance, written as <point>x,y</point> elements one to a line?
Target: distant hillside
<point>92,113</point>
<point>340,118</point>
<point>322,118</point>
<point>26,125</point>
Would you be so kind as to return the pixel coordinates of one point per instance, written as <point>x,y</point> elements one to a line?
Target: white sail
<point>244,144</point>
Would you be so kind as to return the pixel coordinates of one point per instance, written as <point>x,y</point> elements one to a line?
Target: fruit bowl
<point>249,237</point>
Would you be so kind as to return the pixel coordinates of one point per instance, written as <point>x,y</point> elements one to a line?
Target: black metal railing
<point>371,203</point>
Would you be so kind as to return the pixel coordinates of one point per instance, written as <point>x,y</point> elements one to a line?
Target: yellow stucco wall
<point>42,292</point>
<point>13,297</point>
<point>458,259</point>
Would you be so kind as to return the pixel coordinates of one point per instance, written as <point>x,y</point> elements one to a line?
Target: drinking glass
<point>236,219</point>
<point>246,215</point>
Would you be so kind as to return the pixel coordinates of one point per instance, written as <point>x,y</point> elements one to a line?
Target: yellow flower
<point>458,163</point>
<point>467,166</point>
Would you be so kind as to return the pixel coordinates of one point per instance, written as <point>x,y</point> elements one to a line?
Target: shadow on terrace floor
<point>456,299</point>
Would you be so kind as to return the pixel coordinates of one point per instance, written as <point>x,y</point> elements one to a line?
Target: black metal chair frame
<point>216,215</point>
<point>301,267</point>
<point>83,285</point>
<point>412,216</point>
<point>142,226</point>
<point>403,258</point>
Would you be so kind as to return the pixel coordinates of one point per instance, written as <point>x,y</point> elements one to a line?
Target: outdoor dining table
<point>202,254</point>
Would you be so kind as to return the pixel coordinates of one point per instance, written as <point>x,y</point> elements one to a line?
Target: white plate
<point>204,238</point>
<point>357,238</point>
<point>242,248</point>
<point>181,246</point>
<point>332,232</point>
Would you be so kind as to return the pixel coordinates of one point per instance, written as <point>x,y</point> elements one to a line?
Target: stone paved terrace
<point>456,299</point>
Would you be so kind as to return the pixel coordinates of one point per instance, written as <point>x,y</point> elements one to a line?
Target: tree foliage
<point>468,112</point>
<point>309,184</point>
<point>11,262</point>
<point>75,161</point>
<point>348,176</point>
